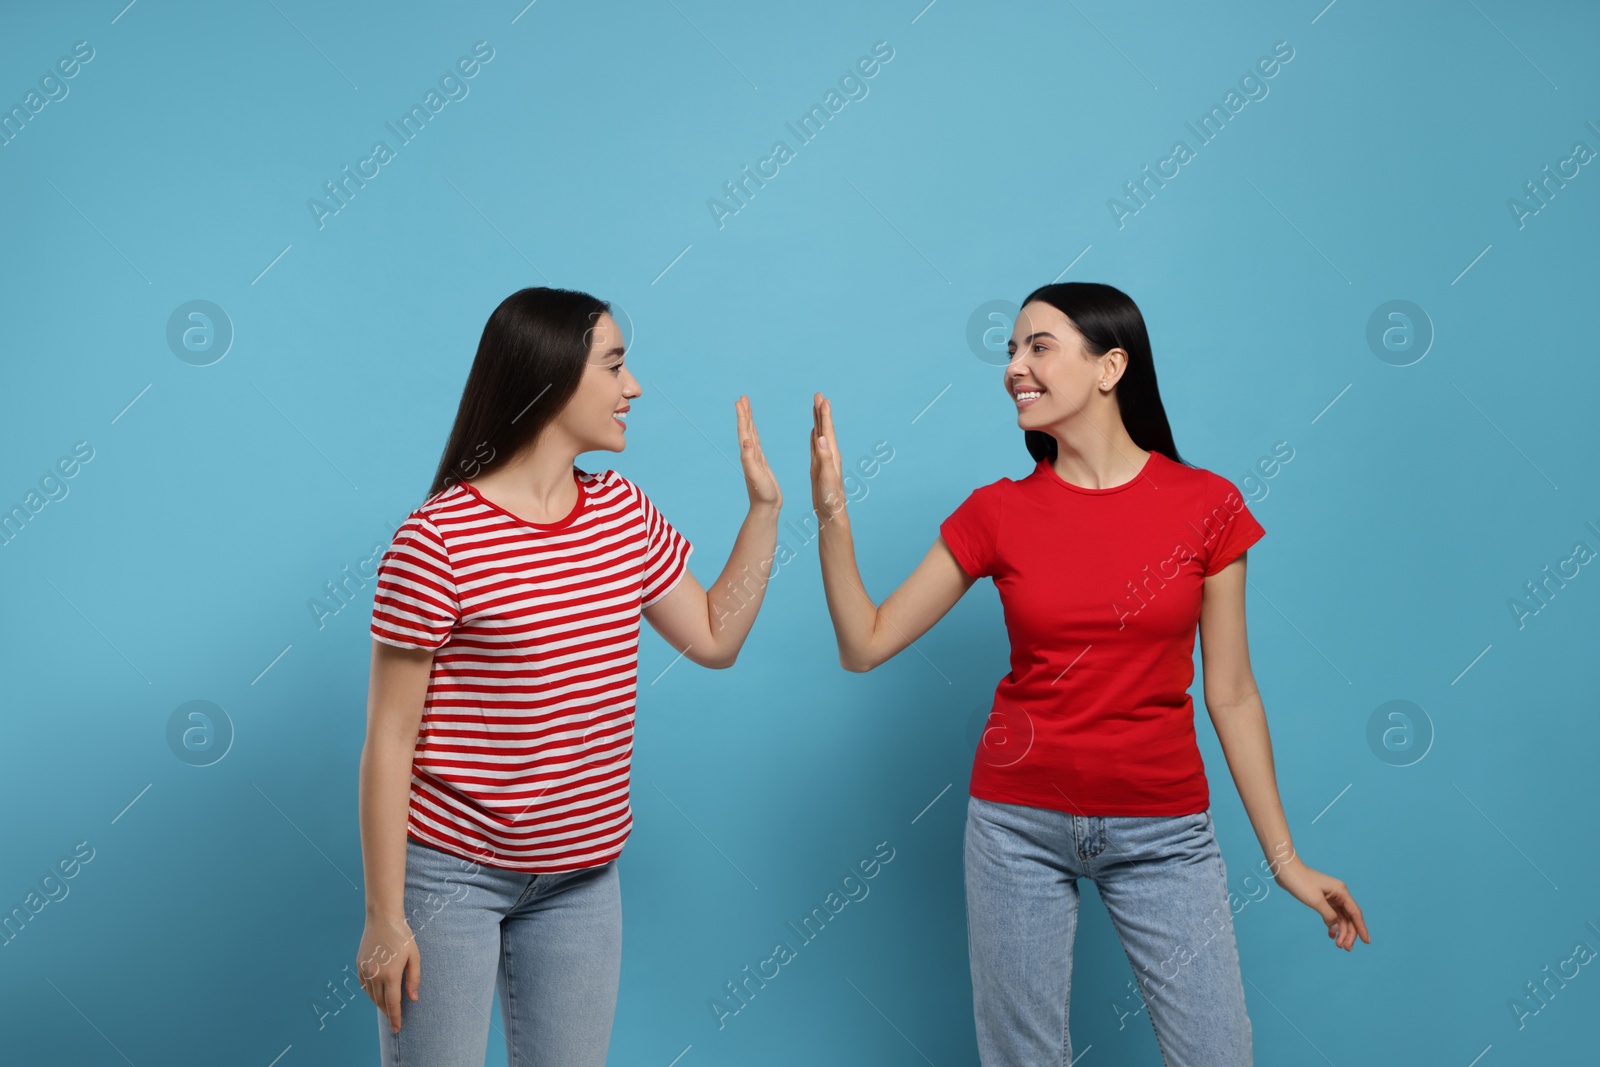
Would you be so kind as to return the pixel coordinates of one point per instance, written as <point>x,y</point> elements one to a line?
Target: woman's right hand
<point>827,470</point>
<point>387,954</point>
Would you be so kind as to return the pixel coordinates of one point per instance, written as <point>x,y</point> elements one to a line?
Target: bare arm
<point>710,628</point>
<point>396,689</point>
<point>1234,704</point>
<point>869,634</point>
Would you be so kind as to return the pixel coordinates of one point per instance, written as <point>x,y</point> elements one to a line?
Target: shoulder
<point>1001,488</point>
<point>442,511</point>
<point>610,485</point>
<point>1219,488</point>
<point>986,501</point>
<point>606,479</point>
<point>616,499</point>
<point>1206,483</point>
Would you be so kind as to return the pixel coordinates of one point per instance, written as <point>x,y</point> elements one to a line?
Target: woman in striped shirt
<point>494,778</point>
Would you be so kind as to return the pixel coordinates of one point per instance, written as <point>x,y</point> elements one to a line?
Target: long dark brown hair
<point>1108,318</point>
<point>530,359</point>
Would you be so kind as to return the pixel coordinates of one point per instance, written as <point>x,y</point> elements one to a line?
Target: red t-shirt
<point>526,740</point>
<point>1101,591</point>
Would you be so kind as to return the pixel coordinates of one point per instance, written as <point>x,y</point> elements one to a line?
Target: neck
<point>1098,456</point>
<point>541,474</point>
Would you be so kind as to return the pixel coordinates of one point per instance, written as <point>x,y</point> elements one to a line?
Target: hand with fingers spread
<point>387,962</point>
<point>1328,897</point>
<point>758,477</point>
<point>827,469</point>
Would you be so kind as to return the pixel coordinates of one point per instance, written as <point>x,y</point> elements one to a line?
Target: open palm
<point>758,478</point>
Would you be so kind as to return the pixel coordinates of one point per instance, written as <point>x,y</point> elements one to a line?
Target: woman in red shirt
<point>1106,558</point>
<point>494,778</point>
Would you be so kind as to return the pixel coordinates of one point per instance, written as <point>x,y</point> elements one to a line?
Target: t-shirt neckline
<point>542,527</point>
<point>1049,471</point>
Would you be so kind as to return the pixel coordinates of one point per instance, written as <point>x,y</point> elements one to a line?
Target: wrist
<point>1287,861</point>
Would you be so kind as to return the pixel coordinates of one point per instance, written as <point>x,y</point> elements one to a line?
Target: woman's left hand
<point>1328,897</point>
<point>758,478</point>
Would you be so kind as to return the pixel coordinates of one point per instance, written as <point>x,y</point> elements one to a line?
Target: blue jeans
<point>551,943</point>
<point>1164,884</point>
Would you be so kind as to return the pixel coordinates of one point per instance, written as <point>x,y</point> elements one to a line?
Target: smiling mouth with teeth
<point>1028,395</point>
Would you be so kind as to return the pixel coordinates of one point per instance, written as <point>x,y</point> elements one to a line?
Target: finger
<point>824,430</point>
<point>755,432</point>
<point>1354,911</point>
<point>817,449</point>
<point>1330,918</point>
<point>1351,924</point>
<point>391,1004</point>
<point>833,438</point>
<point>414,975</point>
<point>1347,924</point>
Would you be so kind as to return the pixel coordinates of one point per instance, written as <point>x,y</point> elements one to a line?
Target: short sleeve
<point>1238,527</point>
<point>666,553</point>
<point>415,605</point>
<point>973,531</point>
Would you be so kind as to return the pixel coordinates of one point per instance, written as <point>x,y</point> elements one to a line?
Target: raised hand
<point>758,478</point>
<point>827,470</point>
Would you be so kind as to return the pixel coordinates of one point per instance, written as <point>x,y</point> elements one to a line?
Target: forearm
<point>384,798</point>
<point>1247,745</point>
<point>735,597</point>
<point>854,614</point>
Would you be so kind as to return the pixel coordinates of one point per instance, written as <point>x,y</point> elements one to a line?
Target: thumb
<point>414,975</point>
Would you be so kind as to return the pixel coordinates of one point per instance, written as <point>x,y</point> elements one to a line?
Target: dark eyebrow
<point>1029,339</point>
<point>614,352</point>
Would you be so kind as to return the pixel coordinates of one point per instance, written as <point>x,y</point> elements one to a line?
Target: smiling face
<point>593,418</point>
<point>1052,376</point>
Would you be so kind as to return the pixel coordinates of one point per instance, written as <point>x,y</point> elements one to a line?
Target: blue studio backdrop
<point>250,249</point>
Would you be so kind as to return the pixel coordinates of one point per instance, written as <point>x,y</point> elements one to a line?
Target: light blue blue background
<point>179,567</point>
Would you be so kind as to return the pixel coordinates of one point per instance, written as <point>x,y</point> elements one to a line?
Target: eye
<point>615,367</point>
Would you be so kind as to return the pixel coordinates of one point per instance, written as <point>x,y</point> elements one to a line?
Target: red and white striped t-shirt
<point>524,749</point>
